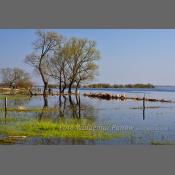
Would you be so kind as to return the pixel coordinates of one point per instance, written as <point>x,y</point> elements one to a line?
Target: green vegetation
<point>71,128</point>
<point>15,78</point>
<point>105,85</point>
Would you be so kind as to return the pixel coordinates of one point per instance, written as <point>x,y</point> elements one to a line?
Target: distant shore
<point>104,85</point>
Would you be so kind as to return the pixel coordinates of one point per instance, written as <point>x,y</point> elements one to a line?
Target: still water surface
<point>154,124</point>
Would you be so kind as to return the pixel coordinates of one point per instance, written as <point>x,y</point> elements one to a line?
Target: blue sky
<point>127,55</point>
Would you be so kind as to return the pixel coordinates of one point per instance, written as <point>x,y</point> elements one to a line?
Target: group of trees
<point>69,62</point>
<point>15,77</point>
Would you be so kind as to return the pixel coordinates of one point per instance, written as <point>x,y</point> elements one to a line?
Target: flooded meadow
<point>83,120</point>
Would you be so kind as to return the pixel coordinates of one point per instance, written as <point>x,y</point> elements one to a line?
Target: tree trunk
<point>76,90</point>
<point>45,88</point>
<point>63,89</point>
<point>44,80</point>
<point>30,92</point>
<point>60,87</point>
<point>70,88</point>
<point>77,86</point>
<point>45,101</point>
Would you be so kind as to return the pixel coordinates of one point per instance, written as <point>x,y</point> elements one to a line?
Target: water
<point>155,124</point>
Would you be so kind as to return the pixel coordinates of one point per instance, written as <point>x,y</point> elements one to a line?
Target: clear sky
<point>127,55</point>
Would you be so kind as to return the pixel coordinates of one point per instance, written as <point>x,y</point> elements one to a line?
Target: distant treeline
<point>105,85</point>
<point>57,86</point>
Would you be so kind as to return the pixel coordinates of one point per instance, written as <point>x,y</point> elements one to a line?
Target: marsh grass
<point>71,128</point>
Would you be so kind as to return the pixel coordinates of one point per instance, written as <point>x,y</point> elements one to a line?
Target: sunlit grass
<point>72,128</point>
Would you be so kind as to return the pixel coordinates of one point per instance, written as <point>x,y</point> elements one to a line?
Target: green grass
<point>71,128</point>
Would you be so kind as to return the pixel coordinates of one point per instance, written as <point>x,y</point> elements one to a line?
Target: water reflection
<point>45,97</point>
<point>75,107</point>
<point>66,107</point>
<point>16,102</point>
<point>144,107</point>
<point>143,113</point>
<point>122,113</point>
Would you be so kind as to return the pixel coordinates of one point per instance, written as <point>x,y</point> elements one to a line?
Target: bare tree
<point>7,75</point>
<point>16,76</point>
<point>44,47</point>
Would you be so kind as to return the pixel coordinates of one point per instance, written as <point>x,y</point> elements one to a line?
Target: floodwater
<point>154,124</point>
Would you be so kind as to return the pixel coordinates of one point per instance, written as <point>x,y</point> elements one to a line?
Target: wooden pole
<point>5,103</point>
<point>5,109</point>
<point>79,105</point>
<point>144,107</point>
<point>144,101</point>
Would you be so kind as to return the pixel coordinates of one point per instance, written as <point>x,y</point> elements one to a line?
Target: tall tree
<point>80,54</point>
<point>58,68</point>
<point>44,47</point>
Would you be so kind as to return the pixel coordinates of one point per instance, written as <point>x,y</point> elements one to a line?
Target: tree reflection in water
<point>66,107</point>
